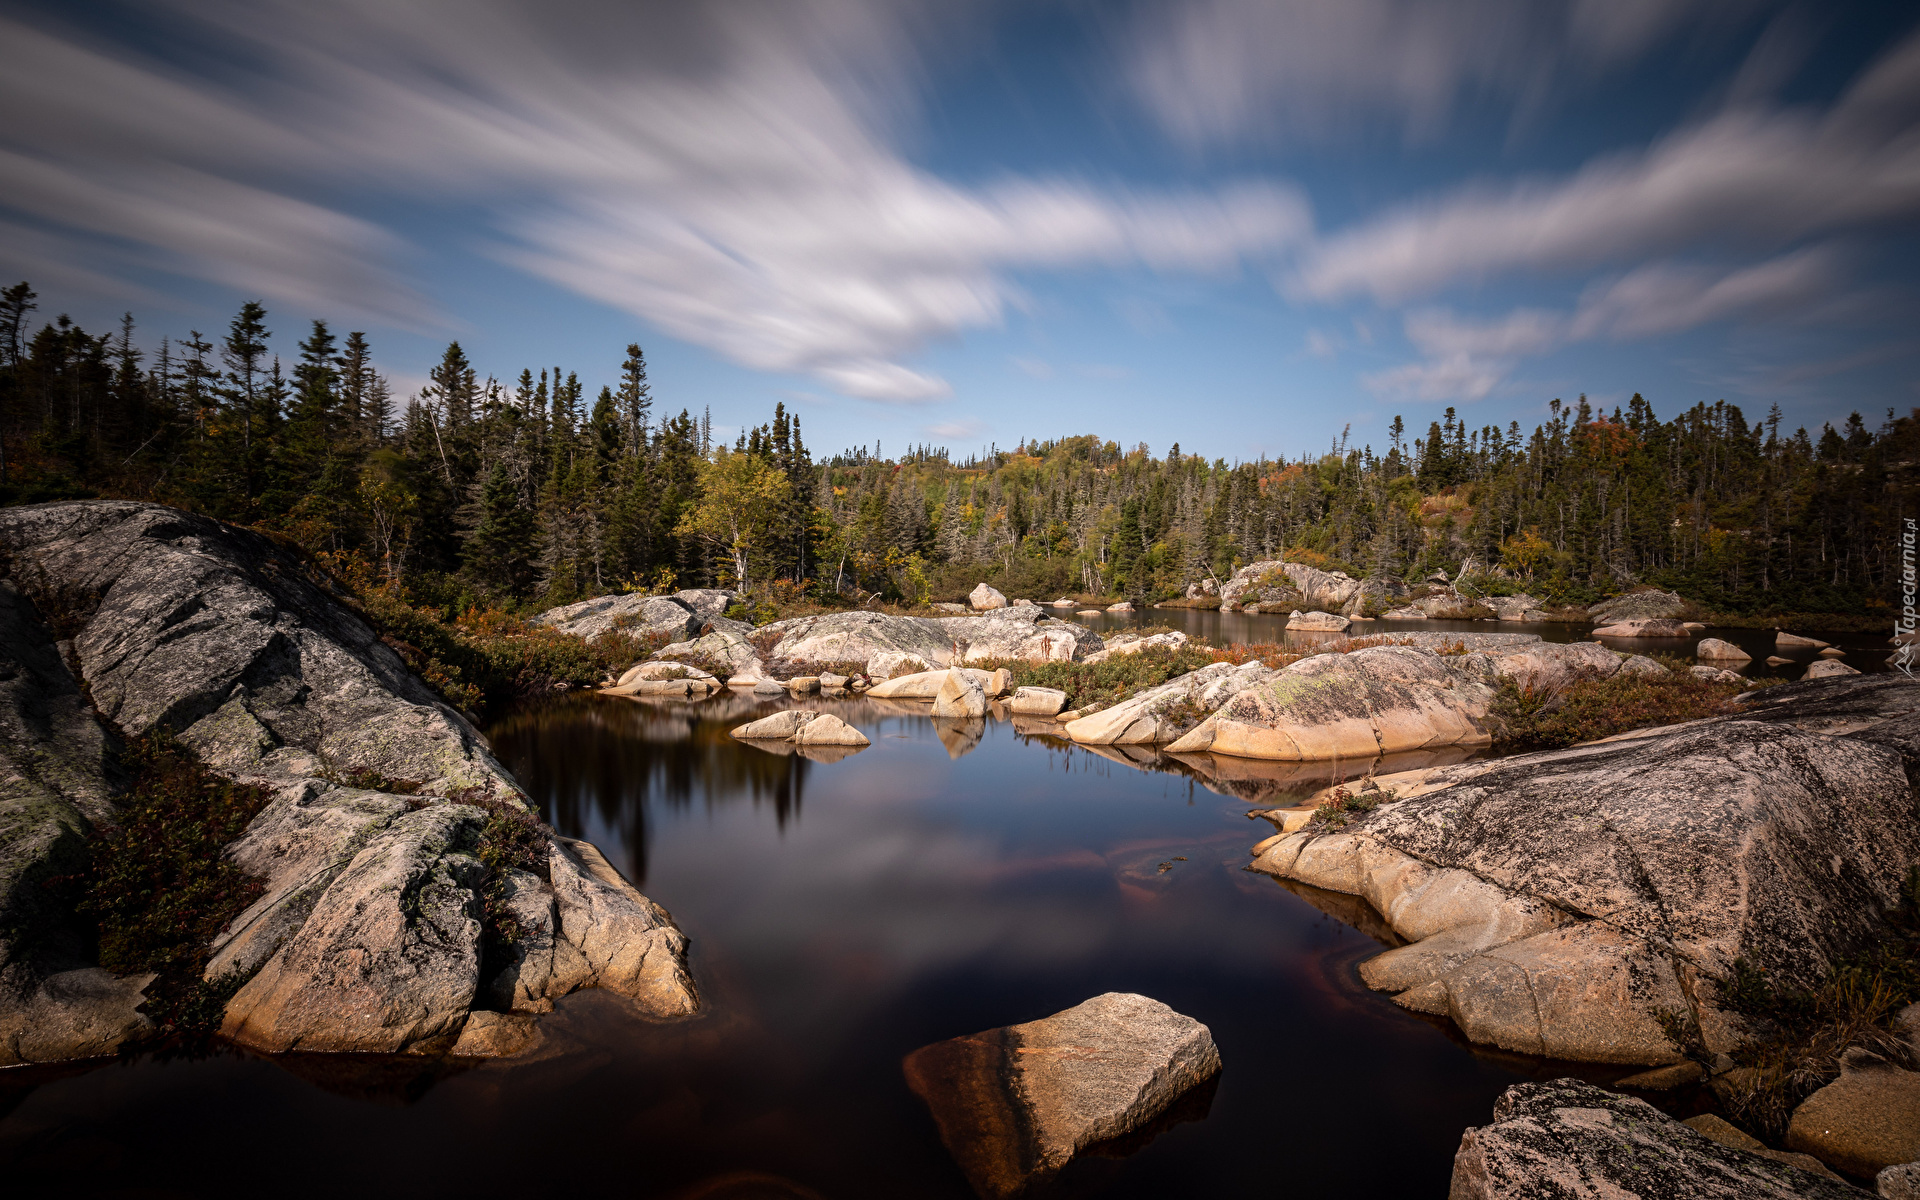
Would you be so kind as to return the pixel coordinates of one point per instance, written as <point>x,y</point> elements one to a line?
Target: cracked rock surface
<point>1556,903</point>
<point>1568,1140</point>
<point>368,935</point>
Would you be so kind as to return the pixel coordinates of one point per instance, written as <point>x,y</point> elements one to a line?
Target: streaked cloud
<point>726,171</point>
<point>1259,70</point>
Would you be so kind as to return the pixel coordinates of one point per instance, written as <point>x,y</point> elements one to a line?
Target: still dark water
<point>946,880</point>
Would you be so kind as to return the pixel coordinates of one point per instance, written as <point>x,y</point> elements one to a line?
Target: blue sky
<point>1242,225</point>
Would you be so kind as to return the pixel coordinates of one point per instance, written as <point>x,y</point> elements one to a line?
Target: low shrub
<point>1798,1036</point>
<point>1103,684</point>
<point>158,886</point>
<point>489,657</point>
<point>1598,708</point>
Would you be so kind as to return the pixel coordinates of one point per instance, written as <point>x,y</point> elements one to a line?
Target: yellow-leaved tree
<point>740,502</point>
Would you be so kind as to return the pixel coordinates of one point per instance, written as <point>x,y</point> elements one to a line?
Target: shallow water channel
<point>946,880</point>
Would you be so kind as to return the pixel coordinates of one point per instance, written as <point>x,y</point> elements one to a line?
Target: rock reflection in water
<point>959,735</point>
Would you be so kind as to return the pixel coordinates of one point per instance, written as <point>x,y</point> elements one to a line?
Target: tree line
<point>527,494</point>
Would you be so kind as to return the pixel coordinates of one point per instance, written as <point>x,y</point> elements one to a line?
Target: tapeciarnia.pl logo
<point>1905,657</point>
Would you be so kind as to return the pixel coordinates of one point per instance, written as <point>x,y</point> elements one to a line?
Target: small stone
<point>1833,652</point>
<point>1088,612</point>
<point>983,598</point>
<point>769,687</point>
<point>1123,606</point>
<point>830,681</point>
<point>1774,660</point>
<point>802,685</point>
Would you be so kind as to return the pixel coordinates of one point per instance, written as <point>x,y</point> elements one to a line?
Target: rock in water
<point>1038,701</point>
<point>1794,639</point>
<point>829,730</point>
<point>983,598</point>
<point>960,695</point>
<point>1567,1139</point>
<point>1642,629</point>
<point>1714,648</point>
<point>1016,1104</point>
<point>1318,622</point>
<point>1828,668</point>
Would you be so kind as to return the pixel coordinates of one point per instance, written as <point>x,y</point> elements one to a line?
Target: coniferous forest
<point>541,489</point>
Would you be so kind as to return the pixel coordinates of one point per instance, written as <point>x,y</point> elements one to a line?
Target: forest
<point>476,493</point>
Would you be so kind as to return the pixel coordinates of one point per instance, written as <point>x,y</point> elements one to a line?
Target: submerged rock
<point>1642,629</point>
<point>1570,1139</point>
<point>1016,1104</point>
<point>1795,640</point>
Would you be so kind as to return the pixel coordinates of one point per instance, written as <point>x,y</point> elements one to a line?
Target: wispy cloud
<point>727,171</point>
<point>1231,70</point>
<point>1759,178</point>
<point>1467,358</point>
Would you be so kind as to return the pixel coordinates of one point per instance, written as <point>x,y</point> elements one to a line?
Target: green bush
<point>1598,708</point>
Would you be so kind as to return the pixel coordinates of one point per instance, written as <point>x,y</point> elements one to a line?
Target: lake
<point>946,880</point>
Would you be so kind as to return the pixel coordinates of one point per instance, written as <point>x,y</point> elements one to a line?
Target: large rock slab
<point>727,652</point>
<point>1165,713</point>
<point>230,641</point>
<point>55,784</point>
<point>389,957</point>
<point>657,616</point>
<point>1273,582</point>
<point>1572,1141</point>
<point>366,936</point>
<point>1380,700</point>
<point>856,637</point>
<point>1638,606</point>
<point>1016,1104</point>
<point>1618,878</point>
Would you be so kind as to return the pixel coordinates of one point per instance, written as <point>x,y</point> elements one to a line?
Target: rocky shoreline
<point>371,932</point>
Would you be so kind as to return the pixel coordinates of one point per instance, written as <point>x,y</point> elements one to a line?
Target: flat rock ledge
<point>368,936</point>
<point>1560,903</point>
<point>1015,1105</point>
<point>1569,1140</point>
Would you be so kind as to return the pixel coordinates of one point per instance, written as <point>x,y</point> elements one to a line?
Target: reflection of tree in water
<point>590,761</point>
